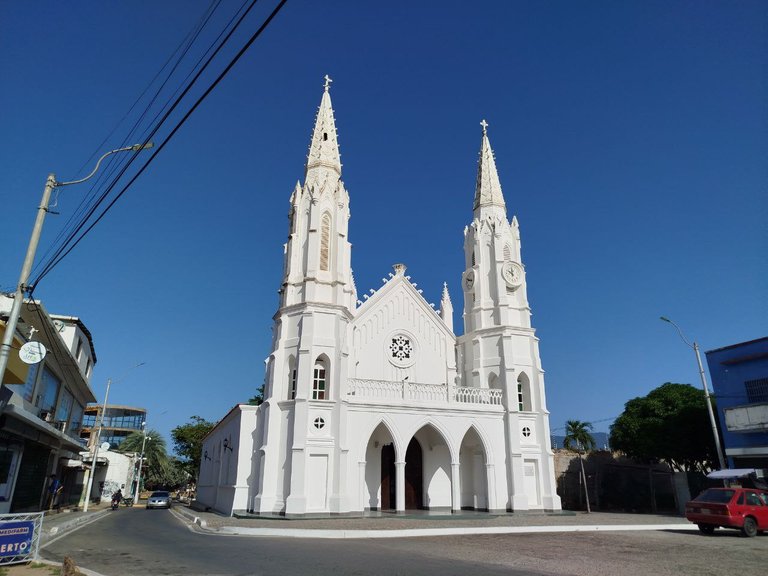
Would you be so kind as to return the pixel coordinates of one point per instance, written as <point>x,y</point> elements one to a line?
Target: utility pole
<point>712,420</point>
<point>29,259</point>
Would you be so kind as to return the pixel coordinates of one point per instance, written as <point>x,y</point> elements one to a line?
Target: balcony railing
<point>405,392</point>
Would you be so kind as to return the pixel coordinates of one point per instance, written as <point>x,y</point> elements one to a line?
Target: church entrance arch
<point>380,474</point>
<point>472,472</point>
<point>428,470</point>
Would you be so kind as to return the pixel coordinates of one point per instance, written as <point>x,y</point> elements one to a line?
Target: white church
<point>377,404</point>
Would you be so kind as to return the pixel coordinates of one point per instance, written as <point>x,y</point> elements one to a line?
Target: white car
<point>159,500</point>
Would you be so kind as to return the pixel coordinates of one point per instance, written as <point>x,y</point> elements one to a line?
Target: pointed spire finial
<point>328,81</point>
<point>487,187</point>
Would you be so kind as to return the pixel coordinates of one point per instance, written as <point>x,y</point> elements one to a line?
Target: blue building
<point>740,381</point>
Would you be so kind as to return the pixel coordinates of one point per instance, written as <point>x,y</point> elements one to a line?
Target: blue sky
<point>630,140</point>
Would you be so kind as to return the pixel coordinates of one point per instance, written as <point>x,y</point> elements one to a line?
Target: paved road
<point>138,542</point>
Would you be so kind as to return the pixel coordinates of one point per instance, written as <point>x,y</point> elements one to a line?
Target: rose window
<point>401,348</point>
<point>526,431</point>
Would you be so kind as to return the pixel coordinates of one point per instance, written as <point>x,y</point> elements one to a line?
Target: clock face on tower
<point>469,280</point>
<point>512,273</point>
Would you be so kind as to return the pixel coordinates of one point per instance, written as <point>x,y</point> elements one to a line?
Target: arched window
<point>325,241</point>
<point>523,393</point>
<point>320,380</point>
<point>507,253</point>
<point>292,376</point>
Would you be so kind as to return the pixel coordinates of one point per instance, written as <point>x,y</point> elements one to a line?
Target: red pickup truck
<point>744,509</point>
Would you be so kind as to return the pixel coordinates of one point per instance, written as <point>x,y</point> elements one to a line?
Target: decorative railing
<point>478,396</point>
<point>362,389</point>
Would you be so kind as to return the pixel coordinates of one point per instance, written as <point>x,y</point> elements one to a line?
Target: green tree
<point>669,425</point>
<point>578,435</point>
<point>258,398</point>
<point>188,442</point>
<point>157,468</point>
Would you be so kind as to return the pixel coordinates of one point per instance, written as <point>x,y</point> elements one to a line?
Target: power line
<point>114,162</point>
<point>62,252</point>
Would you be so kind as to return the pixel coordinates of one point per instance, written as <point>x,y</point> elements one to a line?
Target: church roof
<point>488,186</point>
<point>324,147</point>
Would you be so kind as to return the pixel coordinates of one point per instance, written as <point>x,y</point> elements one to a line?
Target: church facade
<point>376,404</point>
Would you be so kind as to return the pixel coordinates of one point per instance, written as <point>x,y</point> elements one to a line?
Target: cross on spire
<point>328,81</point>
<point>483,123</point>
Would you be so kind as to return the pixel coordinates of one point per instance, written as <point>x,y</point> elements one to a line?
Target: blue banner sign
<point>16,538</point>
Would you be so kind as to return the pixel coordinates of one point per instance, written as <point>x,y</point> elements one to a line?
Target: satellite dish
<point>104,446</point>
<point>32,352</point>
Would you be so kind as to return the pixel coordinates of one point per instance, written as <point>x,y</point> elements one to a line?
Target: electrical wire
<point>113,162</point>
<point>62,252</point>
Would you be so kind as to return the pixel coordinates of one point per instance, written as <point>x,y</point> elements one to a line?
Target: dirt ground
<point>32,569</point>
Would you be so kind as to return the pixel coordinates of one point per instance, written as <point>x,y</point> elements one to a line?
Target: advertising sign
<point>16,538</point>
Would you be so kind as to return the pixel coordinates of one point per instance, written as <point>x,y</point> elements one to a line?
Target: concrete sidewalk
<point>426,524</point>
<point>58,523</point>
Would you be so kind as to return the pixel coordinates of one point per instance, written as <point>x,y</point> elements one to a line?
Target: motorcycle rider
<point>116,497</point>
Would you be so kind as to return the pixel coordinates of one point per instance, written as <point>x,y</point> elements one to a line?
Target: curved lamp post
<point>18,297</point>
<point>712,420</point>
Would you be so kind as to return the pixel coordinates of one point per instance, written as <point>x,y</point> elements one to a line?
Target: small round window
<point>319,423</point>
<point>526,431</point>
<point>401,350</point>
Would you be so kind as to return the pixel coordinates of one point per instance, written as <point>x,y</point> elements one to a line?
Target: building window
<point>757,390</point>
<point>319,381</point>
<point>88,368</point>
<point>401,348</point>
<point>507,253</point>
<point>325,242</point>
<point>79,353</point>
<point>319,423</point>
<point>292,392</point>
<point>523,393</point>
<point>526,431</point>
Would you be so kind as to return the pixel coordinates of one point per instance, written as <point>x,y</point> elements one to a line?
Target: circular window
<point>400,349</point>
<point>526,431</point>
<point>319,423</point>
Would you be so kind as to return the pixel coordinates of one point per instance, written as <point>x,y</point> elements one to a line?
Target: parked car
<point>159,500</point>
<point>744,509</point>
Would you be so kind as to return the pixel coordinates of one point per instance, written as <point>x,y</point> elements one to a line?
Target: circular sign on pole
<point>32,352</point>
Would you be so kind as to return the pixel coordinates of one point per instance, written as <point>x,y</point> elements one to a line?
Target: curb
<point>417,532</point>
<point>427,532</point>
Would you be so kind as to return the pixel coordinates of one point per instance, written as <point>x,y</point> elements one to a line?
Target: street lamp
<point>141,462</point>
<point>89,484</point>
<point>712,420</point>
<point>29,259</point>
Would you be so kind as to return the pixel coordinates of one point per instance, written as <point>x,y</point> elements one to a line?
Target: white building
<point>377,404</point>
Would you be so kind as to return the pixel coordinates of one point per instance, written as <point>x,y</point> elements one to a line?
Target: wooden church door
<point>414,481</point>
<point>388,478</point>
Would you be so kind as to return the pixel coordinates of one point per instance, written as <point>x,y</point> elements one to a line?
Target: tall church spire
<point>487,187</point>
<point>324,157</point>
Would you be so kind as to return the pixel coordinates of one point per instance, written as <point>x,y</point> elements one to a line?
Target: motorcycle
<point>115,503</point>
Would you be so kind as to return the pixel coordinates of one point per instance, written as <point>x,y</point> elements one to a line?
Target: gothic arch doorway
<point>414,476</point>
<point>472,472</point>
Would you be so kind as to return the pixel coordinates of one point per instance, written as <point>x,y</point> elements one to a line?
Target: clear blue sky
<point>630,139</point>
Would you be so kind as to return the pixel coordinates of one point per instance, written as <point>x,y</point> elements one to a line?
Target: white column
<point>400,486</point>
<point>455,487</point>
<point>490,477</point>
<point>361,484</point>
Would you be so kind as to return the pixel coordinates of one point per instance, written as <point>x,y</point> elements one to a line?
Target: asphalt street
<point>154,542</point>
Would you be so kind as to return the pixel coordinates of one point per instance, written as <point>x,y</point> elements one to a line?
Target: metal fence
<point>20,537</point>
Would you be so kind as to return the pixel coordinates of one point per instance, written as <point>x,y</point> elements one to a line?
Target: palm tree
<point>156,457</point>
<point>578,433</point>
